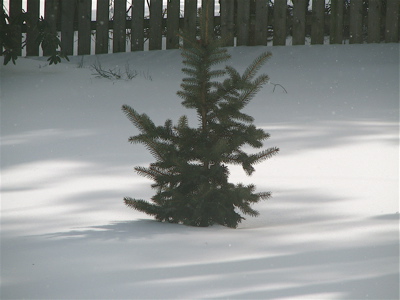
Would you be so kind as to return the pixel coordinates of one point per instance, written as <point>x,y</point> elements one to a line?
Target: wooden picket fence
<point>239,22</point>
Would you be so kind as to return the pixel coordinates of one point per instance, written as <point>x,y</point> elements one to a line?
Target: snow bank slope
<point>331,230</point>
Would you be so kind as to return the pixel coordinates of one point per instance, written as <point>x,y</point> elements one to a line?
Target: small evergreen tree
<point>190,172</point>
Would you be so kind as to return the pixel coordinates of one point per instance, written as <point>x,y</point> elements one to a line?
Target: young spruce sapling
<point>191,169</point>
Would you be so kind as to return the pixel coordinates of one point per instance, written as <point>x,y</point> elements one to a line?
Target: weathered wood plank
<point>227,24</point>
<point>15,11</point>
<point>155,34</point>
<point>67,27</point>
<point>1,41</point>
<point>102,18</point>
<point>173,9</point>
<point>137,30</point>
<point>207,19</point>
<point>318,22</point>
<point>356,22</point>
<point>119,30</point>
<point>336,22</point>
<point>261,25</point>
<point>190,19</point>
<point>392,21</point>
<point>374,21</point>
<point>243,22</point>
<point>280,7</point>
<point>51,14</point>
<point>84,20</point>
<point>299,22</point>
<point>33,9</point>
<point>15,8</point>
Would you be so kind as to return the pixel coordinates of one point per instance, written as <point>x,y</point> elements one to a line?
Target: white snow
<point>331,230</point>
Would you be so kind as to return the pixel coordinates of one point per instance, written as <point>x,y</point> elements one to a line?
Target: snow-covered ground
<point>331,230</point>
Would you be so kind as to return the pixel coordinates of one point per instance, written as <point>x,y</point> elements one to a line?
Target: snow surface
<point>331,230</point>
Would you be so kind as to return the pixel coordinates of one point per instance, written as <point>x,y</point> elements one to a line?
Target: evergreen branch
<point>154,149</point>
<point>247,210</point>
<point>142,122</point>
<point>145,172</point>
<point>150,144</point>
<point>252,70</point>
<point>205,55</point>
<point>244,118</point>
<point>248,168</point>
<point>264,195</point>
<point>168,128</point>
<point>250,92</point>
<point>217,73</point>
<point>236,158</point>
<point>142,206</point>
<point>234,74</point>
<point>263,155</point>
<point>219,57</point>
<point>183,123</point>
<point>190,84</point>
<point>194,43</point>
<point>192,59</point>
<point>190,72</point>
<point>152,172</point>
<point>255,136</point>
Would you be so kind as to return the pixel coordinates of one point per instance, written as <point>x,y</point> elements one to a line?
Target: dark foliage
<point>10,37</point>
<point>190,172</point>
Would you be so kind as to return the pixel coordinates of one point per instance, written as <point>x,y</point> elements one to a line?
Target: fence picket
<point>67,27</point>
<point>119,25</point>
<point>84,20</point>
<point>155,34</point>
<point>173,9</point>
<point>374,21</point>
<point>32,48</point>
<point>15,11</point>
<point>261,24</point>
<point>137,30</point>
<point>1,41</point>
<point>392,21</point>
<point>102,23</point>
<point>190,19</point>
<point>243,22</point>
<point>51,14</point>
<point>299,22</point>
<point>280,7</point>
<point>336,23</point>
<point>227,24</point>
<point>356,22</point>
<point>318,22</point>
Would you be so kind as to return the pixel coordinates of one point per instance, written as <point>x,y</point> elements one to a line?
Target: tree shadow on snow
<point>296,248</point>
<point>349,271</point>
<point>296,137</point>
<point>125,230</point>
